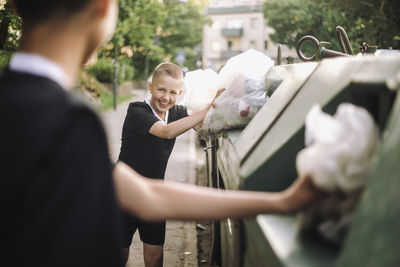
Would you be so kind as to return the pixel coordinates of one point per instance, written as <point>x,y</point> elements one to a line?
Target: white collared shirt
<point>40,66</point>
<point>155,113</point>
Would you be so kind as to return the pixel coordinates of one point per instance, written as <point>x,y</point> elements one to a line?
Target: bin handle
<point>300,46</point>
<point>321,50</point>
<point>343,40</point>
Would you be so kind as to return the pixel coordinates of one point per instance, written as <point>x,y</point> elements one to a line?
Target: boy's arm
<point>173,129</point>
<point>178,127</point>
<point>156,200</point>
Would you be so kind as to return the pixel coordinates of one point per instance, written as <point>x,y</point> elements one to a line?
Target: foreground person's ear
<point>107,11</point>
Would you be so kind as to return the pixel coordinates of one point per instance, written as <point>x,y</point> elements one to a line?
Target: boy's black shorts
<point>152,233</point>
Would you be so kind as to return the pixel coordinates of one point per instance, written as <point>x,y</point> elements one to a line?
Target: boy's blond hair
<point>168,68</point>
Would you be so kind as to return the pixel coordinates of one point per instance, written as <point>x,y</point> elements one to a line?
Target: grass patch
<point>98,94</point>
<point>107,100</point>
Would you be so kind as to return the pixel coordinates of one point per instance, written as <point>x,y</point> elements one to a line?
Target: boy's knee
<point>153,255</point>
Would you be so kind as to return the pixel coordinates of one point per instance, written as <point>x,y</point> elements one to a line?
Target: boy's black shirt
<point>144,152</point>
<point>57,201</point>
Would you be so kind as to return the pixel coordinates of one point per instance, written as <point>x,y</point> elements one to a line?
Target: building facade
<point>237,25</point>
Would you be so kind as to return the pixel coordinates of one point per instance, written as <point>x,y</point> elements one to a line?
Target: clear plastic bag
<point>244,80</point>
<point>236,106</point>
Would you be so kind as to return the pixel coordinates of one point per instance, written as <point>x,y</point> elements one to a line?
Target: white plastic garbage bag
<point>200,87</point>
<point>236,106</point>
<point>340,148</point>
<point>244,80</point>
<point>339,154</point>
<point>252,64</point>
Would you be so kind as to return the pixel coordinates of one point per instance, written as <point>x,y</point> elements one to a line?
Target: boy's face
<point>164,92</point>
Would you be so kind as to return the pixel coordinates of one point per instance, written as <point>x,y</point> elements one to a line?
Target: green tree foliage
<point>379,19</point>
<point>148,32</point>
<point>10,28</point>
<point>182,31</point>
<point>373,21</point>
<point>139,21</point>
<point>10,32</point>
<point>151,31</point>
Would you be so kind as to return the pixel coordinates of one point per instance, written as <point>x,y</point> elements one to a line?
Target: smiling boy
<point>148,138</point>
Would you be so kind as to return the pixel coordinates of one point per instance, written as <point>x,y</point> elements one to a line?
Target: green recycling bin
<point>261,157</point>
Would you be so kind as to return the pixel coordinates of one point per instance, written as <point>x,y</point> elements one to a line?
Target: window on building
<point>265,45</point>
<point>253,44</point>
<point>230,44</point>
<point>253,23</point>
<point>215,46</point>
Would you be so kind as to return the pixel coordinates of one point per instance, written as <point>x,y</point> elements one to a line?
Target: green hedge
<point>103,70</point>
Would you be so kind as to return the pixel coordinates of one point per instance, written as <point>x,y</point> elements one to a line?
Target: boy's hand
<point>302,194</point>
<point>219,92</point>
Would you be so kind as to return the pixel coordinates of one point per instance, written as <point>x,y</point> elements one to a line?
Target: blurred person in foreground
<point>60,193</point>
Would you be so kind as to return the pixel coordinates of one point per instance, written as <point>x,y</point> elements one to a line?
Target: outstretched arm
<point>156,200</point>
<point>172,130</point>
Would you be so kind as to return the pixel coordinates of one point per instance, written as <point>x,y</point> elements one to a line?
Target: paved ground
<point>181,237</point>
